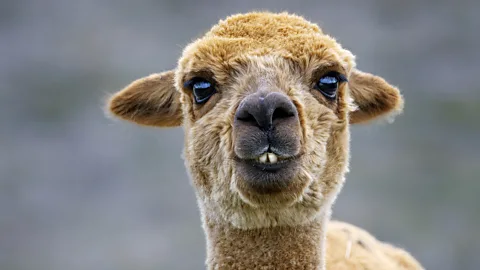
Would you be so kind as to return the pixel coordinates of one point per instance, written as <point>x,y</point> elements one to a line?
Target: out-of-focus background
<point>80,191</point>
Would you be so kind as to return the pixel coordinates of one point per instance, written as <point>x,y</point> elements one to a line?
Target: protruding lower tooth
<point>272,158</point>
<point>263,158</point>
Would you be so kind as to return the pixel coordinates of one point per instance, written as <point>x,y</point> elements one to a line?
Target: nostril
<point>247,118</point>
<point>281,113</point>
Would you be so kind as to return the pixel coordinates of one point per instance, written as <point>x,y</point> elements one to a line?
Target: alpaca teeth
<point>268,158</point>
<point>272,158</point>
<point>263,158</point>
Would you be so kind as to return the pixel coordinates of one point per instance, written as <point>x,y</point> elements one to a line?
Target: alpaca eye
<point>202,89</point>
<point>328,84</point>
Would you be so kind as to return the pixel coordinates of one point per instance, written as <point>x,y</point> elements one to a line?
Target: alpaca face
<point>265,101</point>
<point>267,145</point>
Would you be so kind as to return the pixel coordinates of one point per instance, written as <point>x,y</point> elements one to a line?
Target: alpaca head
<point>266,101</point>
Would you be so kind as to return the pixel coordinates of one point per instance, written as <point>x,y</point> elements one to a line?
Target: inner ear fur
<point>373,97</point>
<point>152,101</point>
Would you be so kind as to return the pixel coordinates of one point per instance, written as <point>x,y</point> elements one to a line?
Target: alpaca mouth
<point>270,162</point>
<point>268,173</point>
<point>269,158</point>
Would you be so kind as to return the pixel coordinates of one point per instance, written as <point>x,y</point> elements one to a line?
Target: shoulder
<point>350,247</point>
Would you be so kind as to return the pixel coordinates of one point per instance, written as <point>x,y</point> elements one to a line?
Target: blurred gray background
<point>80,191</point>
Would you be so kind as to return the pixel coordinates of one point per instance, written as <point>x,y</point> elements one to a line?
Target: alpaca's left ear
<point>152,101</point>
<point>373,97</point>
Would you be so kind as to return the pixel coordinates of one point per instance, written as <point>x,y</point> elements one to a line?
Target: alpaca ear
<point>152,101</point>
<point>373,97</point>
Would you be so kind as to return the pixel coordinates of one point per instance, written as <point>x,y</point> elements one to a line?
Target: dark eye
<point>328,84</point>
<point>202,89</point>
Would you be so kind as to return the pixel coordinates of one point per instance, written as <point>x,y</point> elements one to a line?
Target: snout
<point>267,140</point>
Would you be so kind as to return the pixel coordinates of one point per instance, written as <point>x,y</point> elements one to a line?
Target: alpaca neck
<point>299,247</point>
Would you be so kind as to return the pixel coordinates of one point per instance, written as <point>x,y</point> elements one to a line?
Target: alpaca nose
<point>265,110</point>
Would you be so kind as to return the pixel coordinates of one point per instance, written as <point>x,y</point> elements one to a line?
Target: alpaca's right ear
<point>152,101</point>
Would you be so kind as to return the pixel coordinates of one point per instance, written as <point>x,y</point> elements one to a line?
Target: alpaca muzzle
<point>267,140</point>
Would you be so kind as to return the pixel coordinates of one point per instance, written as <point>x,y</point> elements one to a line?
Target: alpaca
<point>266,101</point>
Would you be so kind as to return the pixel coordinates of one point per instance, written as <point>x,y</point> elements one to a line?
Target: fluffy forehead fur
<point>257,34</point>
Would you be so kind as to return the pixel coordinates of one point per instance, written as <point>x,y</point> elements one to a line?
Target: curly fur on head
<point>263,54</point>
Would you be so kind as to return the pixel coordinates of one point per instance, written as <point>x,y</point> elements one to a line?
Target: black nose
<point>265,110</point>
